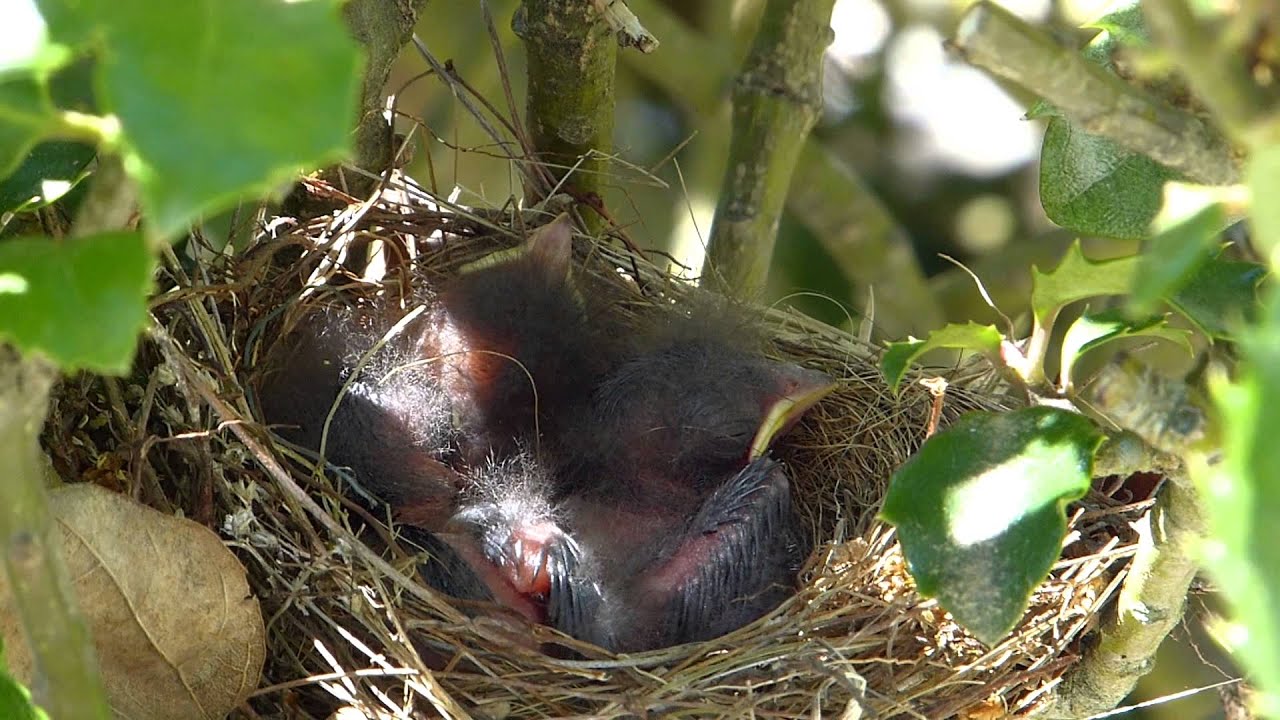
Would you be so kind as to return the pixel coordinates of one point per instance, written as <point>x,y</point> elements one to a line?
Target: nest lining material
<point>854,640</point>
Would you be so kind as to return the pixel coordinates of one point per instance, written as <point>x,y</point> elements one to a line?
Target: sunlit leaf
<point>1242,499</point>
<point>972,336</point>
<point>1174,254</point>
<point>1078,278</point>
<point>218,98</point>
<point>1091,331</point>
<point>1263,176</point>
<point>980,510</point>
<point>81,302</point>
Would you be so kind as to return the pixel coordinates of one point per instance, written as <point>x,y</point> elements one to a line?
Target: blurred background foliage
<point>936,143</point>
<point>916,156</point>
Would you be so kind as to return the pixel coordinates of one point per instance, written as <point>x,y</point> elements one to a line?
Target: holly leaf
<point>81,302</point>
<point>1091,331</point>
<point>46,174</point>
<point>1175,253</point>
<point>1088,183</point>
<point>1092,186</point>
<point>1078,278</point>
<point>980,510</point>
<point>1219,295</point>
<point>972,336</point>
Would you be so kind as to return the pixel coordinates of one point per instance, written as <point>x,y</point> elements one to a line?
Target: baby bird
<point>673,490</point>
<point>489,361</point>
<point>509,534</point>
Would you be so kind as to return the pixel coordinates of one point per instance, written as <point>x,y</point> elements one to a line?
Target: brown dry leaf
<point>177,631</point>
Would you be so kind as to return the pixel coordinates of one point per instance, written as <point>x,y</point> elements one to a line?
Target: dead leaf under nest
<point>855,640</point>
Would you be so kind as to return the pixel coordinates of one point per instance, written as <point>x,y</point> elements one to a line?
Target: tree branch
<point>776,101</point>
<point>65,679</point>
<point>570,102</point>
<point>382,28</point>
<point>992,38</point>
<point>1216,72</point>
<point>1150,604</point>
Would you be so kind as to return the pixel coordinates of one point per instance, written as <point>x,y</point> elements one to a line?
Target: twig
<point>382,28</point>
<point>1149,606</point>
<point>569,110</point>
<point>65,679</point>
<point>992,38</point>
<point>776,101</point>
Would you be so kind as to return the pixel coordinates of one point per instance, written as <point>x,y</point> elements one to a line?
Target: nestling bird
<point>674,577</point>
<point>509,533</point>
<point>515,352</point>
<point>392,434</point>
<point>493,358</point>
<point>694,406</point>
<point>673,490</point>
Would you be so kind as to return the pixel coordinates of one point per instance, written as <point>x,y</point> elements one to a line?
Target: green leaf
<point>26,115</point>
<point>1173,255</point>
<point>1122,27</point>
<point>1089,184</point>
<point>1242,500</point>
<point>218,98</point>
<point>1091,331</point>
<point>81,302</point>
<point>1092,186</point>
<point>15,700</point>
<point>980,510</point>
<point>1263,176</point>
<point>972,336</point>
<point>1078,278</point>
<point>45,175</point>
<point>1219,295</point>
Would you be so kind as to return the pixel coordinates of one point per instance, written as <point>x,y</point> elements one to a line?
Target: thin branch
<point>382,27</point>
<point>569,110</point>
<point>776,101</point>
<point>65,679</point>
<point>995,40</point>
<point>1150,604</point>
<point>829,198</point>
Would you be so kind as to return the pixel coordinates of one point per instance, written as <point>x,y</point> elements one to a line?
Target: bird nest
<point>351,626</point>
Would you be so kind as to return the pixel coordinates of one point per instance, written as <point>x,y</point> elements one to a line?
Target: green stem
<point>65,679</point>
<point>571,63</point>
<point>776,101</point>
